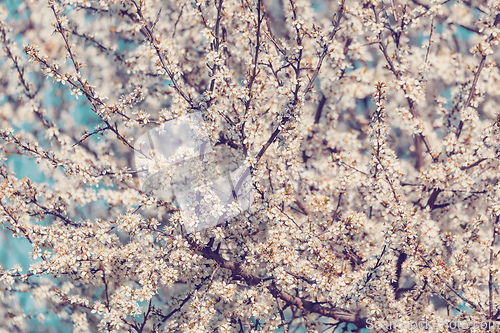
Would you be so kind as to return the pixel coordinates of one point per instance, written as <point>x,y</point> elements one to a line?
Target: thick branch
<point>341,315</point>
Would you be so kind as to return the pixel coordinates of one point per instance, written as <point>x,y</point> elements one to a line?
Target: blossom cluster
<point>369,132</point>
